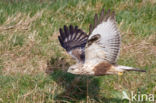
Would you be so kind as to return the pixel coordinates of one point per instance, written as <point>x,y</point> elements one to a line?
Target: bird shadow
<point>76,87</point>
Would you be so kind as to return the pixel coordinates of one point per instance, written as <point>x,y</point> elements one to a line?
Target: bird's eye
<point>72,68</point>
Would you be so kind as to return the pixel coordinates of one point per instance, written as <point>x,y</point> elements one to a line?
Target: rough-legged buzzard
<point>96,53</point>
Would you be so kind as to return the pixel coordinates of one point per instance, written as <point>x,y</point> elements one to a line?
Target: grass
<point>33,65</point>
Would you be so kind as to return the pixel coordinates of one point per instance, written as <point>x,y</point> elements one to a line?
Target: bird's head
<point>75,69</point>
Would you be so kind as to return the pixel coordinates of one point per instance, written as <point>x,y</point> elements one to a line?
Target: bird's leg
<point>120,73</point>
<point>120,76</point>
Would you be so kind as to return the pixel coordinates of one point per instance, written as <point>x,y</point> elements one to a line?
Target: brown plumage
<point>102,68</point>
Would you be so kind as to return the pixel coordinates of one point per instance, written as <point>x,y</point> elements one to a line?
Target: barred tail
<point>126,68</point>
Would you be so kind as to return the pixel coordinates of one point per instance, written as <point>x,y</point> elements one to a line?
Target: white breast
<point>93,55</point>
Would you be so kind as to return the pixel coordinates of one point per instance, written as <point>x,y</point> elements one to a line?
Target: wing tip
<point>72,37</point>
<point>102,17</point>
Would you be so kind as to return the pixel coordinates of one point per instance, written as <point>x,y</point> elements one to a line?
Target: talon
<point>120,73</point>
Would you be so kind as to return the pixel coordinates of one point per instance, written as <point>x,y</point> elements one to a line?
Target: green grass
<point>33,65</point>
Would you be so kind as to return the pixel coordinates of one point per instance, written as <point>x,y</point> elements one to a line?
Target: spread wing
<point>104,39</point>
<point>73,40</point>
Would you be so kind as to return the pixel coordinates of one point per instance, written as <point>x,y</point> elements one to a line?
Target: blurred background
<point>33,64</point>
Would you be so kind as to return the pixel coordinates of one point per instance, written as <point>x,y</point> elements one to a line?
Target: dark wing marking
<point>103,17</point>
<point>73,40</point>
<point>93,39</point>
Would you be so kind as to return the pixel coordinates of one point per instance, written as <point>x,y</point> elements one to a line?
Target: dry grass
<point>142,50</point>
<point>20,59</point>
<point>29,49</point>
<point>130,4</point>
<point>19,22</point>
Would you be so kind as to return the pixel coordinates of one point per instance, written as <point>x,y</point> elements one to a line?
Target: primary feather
<point>108,44</point>
<point>73,40</point>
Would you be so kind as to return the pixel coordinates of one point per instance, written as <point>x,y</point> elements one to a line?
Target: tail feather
<point>126,68</point>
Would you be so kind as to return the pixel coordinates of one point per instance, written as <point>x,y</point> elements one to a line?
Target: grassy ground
<point>33,65</point>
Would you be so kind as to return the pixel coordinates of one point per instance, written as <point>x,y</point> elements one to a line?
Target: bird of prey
<point>97,52</point>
